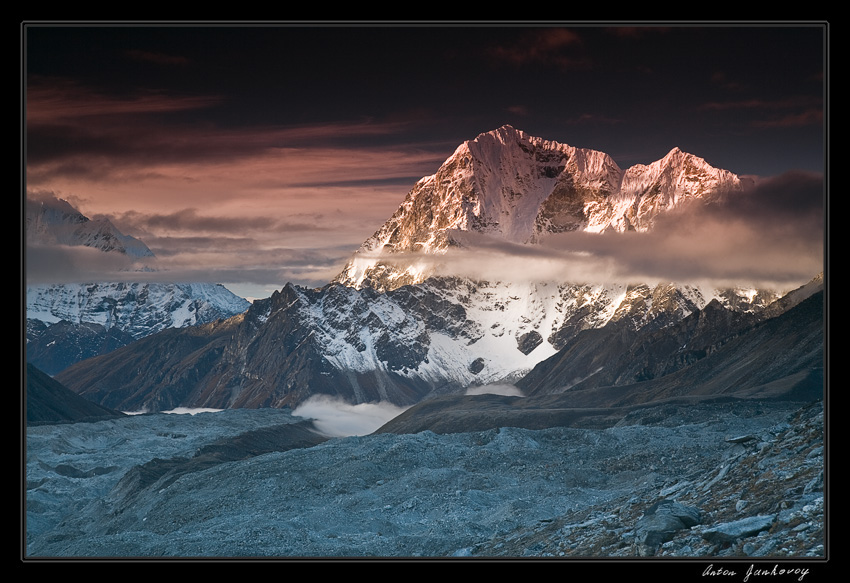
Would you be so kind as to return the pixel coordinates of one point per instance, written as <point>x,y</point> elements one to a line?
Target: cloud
<point>190,219</point>
<point>337,418</point>
<point>554,46</point>
<point>74,130</point>
<point>308,267</point>
<point>811,117</point>
<point>65,103</point>
<point>226,256</point>
<point>77,264</point>
<point>243,203</point>
<point>765,104</point>
<point>789,112</point>
<point>158,58</point>
<point>771,235</point>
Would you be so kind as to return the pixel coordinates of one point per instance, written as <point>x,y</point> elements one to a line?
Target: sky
<point>259,154</point>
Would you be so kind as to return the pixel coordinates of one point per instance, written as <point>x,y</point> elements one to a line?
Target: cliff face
<point>519,189</point>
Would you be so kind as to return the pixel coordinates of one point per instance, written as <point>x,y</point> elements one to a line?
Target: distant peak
<point>500,133</point>
<point>513,186</point>
<point>677,153</point>
<point>507,128</point>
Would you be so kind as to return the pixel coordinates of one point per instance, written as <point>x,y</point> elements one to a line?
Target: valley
<point>534,414</point>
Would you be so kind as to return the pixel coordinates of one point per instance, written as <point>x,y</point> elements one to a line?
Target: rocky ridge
<point>400,337</point>
<point>437,337</point>
<point>521,189</point>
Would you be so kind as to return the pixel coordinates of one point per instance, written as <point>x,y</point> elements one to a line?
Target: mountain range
<point>520,189</point>
<point>69,322</point>
<point>399,325</point>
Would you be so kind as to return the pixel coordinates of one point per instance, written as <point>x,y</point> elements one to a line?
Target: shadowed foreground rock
<point>661,522</point>
<point>48,401</point>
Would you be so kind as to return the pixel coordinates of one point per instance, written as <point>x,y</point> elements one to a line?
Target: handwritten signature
<point>753,571</point>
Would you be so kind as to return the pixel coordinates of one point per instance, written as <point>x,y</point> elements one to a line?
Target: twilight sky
<point>257,155</point>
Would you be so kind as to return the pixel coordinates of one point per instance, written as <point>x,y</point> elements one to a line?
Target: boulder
<point>660,523</point>
<point>738,529</point>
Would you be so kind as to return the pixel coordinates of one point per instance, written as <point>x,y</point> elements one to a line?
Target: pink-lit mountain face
<point>519,189</point>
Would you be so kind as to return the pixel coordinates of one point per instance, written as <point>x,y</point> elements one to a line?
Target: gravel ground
<point>507,492</point>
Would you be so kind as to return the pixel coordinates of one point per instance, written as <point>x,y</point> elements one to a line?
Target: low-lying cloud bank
<point>336,418</point>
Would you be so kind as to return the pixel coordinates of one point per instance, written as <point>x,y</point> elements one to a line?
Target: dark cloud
<point>550,46</point>
<point>157,58</point>
<point>770,234</point>
<point>810,117</point>
<point>790,112</point>
<point>271,267</point>
<point>65,102</point>
<point>265,130</point>
<point>792,200</point>
<point>79,264</point>
<point>79,133</point>
<point>245,261</point>
<point>191,220</point>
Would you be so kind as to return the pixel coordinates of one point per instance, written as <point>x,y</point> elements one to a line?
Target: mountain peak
<point>502,132</point>
<point>51,221</point>
<point>519,188</point>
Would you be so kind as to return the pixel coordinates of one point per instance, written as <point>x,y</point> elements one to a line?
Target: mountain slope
<point>780,356</point>
<point>50,402</point>
<point>361,345</point>
<point>68,322</point>
<point>519,189</point>
<point>267,357</point>
<point>778,359</point>
<point>366,337</point>
<point>52,221</point>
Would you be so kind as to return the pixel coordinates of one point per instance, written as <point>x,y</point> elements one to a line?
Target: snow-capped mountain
<point>71,321</point>
<point>385,333</point>
<point>53,221</point>
<point>136,308</point>
<point>399,346</point>
<point>519,189</point>
<point>455,332</point>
